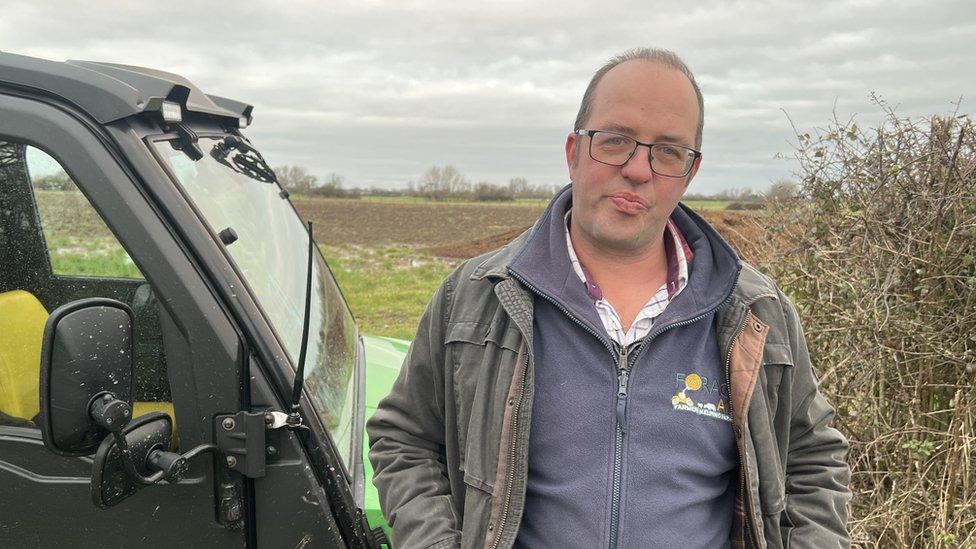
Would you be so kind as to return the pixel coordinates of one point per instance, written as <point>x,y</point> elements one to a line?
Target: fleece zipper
<point>623,376</point>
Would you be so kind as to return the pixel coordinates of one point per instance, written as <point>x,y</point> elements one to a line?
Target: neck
<point>645,267</point>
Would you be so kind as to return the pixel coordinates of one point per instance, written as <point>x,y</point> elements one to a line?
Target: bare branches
<point>880,257</point>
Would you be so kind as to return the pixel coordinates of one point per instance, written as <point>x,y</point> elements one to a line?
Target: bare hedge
<point>879,254</point>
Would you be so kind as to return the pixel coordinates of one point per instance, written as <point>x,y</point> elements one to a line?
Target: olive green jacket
<point>449,444</point>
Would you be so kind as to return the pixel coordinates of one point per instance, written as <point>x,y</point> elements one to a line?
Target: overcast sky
<point>378,91</point>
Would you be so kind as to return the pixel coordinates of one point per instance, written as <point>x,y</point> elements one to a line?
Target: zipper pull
<point>623,377</point>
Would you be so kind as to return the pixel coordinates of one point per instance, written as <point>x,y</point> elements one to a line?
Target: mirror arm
<point>173,465</point>
<point>113,415</point>
<point>170,466</point>
<point>129,463</point>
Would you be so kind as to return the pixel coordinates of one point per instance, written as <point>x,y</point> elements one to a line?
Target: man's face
<point>623,209</point>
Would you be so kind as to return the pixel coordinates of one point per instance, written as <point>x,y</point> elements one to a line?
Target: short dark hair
<point>664,57</point>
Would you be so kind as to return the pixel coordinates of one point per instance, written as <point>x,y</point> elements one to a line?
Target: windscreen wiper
<point>247,160</point>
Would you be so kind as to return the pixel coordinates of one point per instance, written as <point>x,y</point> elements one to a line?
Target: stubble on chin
<point>612,236</point>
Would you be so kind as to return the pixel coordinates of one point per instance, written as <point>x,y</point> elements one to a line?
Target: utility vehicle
<point>178,366</point>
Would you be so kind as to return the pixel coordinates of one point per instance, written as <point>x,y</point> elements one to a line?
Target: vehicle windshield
<point>271,252</point>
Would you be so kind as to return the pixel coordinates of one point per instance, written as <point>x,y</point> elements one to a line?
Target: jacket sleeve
<point>406,438</point>
<point>817,474</point>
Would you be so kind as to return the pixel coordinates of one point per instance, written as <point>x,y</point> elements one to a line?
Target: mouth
<point>628,203</point>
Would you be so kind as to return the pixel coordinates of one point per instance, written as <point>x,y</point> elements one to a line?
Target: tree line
<point>436,183</point>
<point>445,183</point>
<point>442,183</point>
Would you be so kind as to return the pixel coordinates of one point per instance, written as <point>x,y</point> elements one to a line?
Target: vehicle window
<point>78,242</point>
<point>271,253</point>
<point>55,248</point>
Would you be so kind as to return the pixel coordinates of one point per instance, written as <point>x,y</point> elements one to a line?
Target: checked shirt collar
<point>678,254</point>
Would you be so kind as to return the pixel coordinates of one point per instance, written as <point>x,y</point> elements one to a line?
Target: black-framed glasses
<point>616,149</point>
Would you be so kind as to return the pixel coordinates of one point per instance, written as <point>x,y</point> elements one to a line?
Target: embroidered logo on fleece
<point>710,398</point>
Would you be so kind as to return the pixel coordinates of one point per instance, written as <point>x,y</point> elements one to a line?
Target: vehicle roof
<point>109,91</point>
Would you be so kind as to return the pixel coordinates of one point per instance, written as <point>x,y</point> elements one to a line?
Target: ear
<point>571,144</point>
<point>694,170</point>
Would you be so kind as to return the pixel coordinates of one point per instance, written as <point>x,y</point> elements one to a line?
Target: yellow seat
<point>142,408</point>
<point>22,320</point>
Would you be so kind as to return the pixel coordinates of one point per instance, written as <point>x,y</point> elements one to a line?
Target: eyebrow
<point>620,128</point>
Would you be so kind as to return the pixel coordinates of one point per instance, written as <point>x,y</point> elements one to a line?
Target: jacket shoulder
<point>753,286</point>
<point>470,289</point>
<point>757,289</point>
<point>761,295</point>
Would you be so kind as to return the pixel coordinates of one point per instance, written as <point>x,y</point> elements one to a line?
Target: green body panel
<point>384,356</point>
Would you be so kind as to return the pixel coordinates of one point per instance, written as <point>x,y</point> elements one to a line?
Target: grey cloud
<point>380,90</point>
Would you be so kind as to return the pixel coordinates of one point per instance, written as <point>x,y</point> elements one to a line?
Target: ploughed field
<point>463,230</point>
<point>377,223</point>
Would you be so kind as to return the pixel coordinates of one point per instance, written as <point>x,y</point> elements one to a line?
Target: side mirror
<point>87,362</point>
<point>147,438</point>
<point>87,378</point>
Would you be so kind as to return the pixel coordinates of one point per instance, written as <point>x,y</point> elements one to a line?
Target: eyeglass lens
<point>616,150</point>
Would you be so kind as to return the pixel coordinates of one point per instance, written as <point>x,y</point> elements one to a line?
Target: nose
<point>638,167</point>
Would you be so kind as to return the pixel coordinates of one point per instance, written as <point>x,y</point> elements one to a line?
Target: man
<point>616,376</point>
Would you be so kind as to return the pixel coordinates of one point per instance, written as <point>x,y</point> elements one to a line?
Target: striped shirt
<point>678,255</point>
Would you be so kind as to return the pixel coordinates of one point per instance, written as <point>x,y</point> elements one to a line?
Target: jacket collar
<point>542,263</point>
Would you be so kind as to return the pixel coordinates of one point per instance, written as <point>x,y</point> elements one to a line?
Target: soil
<point>741,229</point>
<point>462,231</point>
<point>365,223</point>
<point>465,250</point>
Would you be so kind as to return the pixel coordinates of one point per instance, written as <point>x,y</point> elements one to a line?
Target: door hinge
<point>230,509</point>
<point>242,438</point>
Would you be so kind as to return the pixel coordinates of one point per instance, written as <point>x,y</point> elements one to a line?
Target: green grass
<point>78,241</point>
<point>100,256</point>
<point>387,288</point>
<point>706,204</point>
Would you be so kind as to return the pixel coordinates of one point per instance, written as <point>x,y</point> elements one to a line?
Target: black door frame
<point>208,375</point>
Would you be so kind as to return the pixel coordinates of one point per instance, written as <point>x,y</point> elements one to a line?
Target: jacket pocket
<point>778,528</point>
<point>777,353</point>
<point>769,434</point>
<point>767,443</point>
<point>769,427</point>
<point>777,369</point>
<point>477,513</point>
<point>785,528</point>
<point>483,356</point>
<point>772,528</point>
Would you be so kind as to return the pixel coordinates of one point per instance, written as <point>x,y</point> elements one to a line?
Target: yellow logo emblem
<point>695,383</point>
